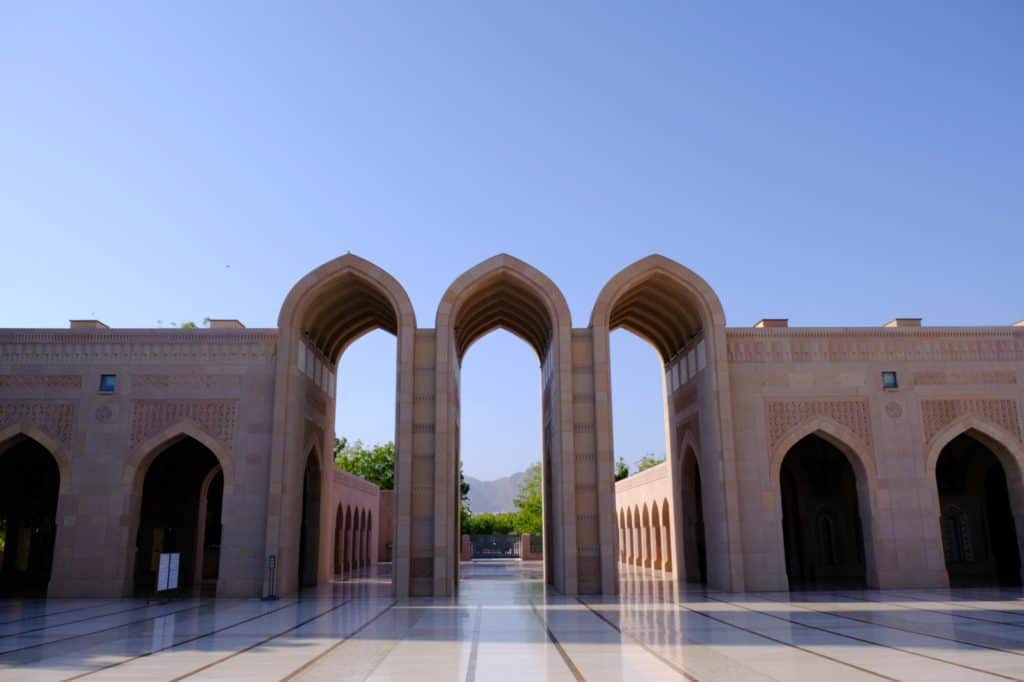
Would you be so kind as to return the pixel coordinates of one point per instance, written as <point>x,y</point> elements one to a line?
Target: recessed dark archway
<point>29,488</point>
<point>979,536</point>
<point>822,532</point>
<point>694,546</point>
<point>309,528</point>
<point>182,498</point>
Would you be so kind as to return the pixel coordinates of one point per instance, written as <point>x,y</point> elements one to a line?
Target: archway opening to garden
<point>979,535</point>
<point>29,488</point>
<point>180,521</point>
<point>822,532</point>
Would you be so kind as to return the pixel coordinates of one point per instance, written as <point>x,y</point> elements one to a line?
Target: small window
<point>889,380</point>
<point>108,383</point>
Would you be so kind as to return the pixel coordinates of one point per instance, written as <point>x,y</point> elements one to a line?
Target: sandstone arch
<point>505,293</point>
<point>679,314</point>
<point>323,314</point>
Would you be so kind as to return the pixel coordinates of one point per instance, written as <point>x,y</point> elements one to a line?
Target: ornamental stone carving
<point>218,418</point>
<point>40,381</point>
<point>786,415</point>
<point>54,418</point>
<point>938,414</point>
<point>940,378</point>
<point>204,381</point>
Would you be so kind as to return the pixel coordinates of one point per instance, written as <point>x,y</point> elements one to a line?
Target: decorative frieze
<point>874,345</point>
<point>942,378</point>
<point>52,417</point>
<point>218,418</point>
<point>186,381</point>
<point>33,381</point>
<point>137,346</point>
<point>786,415</point>
<point>938,414</point>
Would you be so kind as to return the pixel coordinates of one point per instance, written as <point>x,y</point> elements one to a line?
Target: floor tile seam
<point>83,620</point>
<point>475,647</point>
<point>867,641</point>
<point>678,668</point>
<point>391,647</point>
<point>183,642</point>
<point>259,643</point>
<point>840,614</point>
<point>967,605</point>
<point>99,632</point>
<point>789,644</point>
<point>58,613</point>
<point>937,611</point>
<point>308,664</point>
<point>558,646</point>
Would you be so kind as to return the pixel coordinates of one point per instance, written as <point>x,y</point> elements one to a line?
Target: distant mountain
<point>494,496</point>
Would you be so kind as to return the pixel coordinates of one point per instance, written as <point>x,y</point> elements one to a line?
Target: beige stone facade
<point>791,460</point>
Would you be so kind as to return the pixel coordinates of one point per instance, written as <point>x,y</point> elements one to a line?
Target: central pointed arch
<point>323,314</point>
<point>505,293</point>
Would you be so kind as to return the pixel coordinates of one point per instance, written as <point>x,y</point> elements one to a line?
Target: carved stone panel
<point>786,415</point>
<point>54,418</point>
<point>938,414</point>
<point>40,381</point>
<point>218,418</point>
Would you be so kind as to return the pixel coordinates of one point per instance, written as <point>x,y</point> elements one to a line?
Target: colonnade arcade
<point>819,481</point>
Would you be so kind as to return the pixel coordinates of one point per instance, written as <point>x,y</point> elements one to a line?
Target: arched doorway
<point>979,536</point>
<point>821,523</point>
<point>309,528</point>
<point>694,547</point>
<point>29,488</point>
<point>182,499</point>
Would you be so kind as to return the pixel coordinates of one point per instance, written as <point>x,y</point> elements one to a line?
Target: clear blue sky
<point>835,163</point>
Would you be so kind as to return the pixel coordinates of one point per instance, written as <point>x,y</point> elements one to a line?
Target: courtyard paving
<point>505,626</point>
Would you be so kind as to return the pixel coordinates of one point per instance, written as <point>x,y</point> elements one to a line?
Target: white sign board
<point>167,578</point>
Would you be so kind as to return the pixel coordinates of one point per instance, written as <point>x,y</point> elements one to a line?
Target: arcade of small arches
<point>815,495</point>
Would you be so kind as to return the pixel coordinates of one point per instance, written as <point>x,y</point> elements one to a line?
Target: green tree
<point>487,523</point>
<point>621,469</point>
<point>530,503</point>
<point>647,461</point>
<point>465,513</point>
<point>375,464</point>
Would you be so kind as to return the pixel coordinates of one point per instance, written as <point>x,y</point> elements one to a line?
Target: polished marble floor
<point>504,626</point>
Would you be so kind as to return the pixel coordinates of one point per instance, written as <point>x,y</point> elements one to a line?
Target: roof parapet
<point>226,324</point>
<point>904,322</point>
<point>87,324</point>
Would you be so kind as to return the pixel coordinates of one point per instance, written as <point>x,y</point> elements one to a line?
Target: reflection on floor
<point>505,625</point>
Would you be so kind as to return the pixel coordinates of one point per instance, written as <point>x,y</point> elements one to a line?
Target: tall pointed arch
<point>679,314</point>
<point>323,314</point>
<point>505,293</point>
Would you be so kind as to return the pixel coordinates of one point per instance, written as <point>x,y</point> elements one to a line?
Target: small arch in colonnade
<point>178,482</point>
<point>977,469</point>
<point>667,534</point>
<point>826,481</point>
<point>32,480</point>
